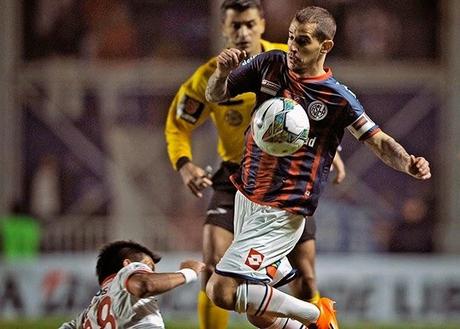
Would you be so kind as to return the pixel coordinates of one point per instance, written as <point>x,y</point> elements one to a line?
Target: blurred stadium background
<point>85,88</point>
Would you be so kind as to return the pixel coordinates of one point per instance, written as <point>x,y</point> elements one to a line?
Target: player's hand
<point>195,265</point>
<point>419,168</point>
<point>229,59</point>
<point>195,178</point>
<point>339,167</point>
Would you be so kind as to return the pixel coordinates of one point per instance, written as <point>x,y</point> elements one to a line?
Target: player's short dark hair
<point>240,6</point>
<point>325,22</point>
<point>111,256</point>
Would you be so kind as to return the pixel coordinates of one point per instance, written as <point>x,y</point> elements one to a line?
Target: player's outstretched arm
<point>227,60</point>
<point>396,157</point>
<point>150,284</point>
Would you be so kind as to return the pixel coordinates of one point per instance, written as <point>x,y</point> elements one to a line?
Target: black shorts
<point>220,211</point>
<point>221,207</point>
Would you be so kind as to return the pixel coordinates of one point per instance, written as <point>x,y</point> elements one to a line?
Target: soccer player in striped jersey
<point>129,286</point>
<point>242,26</point>
<point>276,193</point>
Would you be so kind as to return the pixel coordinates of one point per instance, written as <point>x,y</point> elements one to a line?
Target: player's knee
<point>211,259</point>
<point>307,277</point>
<point>220,294</point>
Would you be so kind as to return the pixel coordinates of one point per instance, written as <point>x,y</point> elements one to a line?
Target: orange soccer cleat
<point>327,318</point>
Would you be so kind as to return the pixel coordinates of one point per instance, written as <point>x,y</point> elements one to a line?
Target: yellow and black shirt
<point>189,110</point>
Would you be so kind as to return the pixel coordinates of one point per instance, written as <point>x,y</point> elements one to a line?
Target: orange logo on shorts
<point>254,259</point>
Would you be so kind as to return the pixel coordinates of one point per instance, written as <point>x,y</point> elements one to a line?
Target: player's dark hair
<point>240,6</point>
<point>111,256</point>
<point>325,22</point>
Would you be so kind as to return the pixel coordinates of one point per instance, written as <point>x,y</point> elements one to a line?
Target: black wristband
<point>181,162</point>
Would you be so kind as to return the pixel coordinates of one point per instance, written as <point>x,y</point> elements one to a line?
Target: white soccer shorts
<point>264,236</point>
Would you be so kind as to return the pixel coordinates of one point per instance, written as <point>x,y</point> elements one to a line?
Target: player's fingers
<point>423,171</point>
<point>425,176</point>
<point>194,188</point>
<point>418,160</point>
<point>235,60</point>
<point>200,183</point>
<point>225,58</point>
<point>339,178</point>
<point>233,55</point>
<point>205,180</point>
<point>423,166</point>
<point>229,54</point>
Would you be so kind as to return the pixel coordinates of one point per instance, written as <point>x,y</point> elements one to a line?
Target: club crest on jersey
<point>269,87</point>
<point>317,110</point>
<point>189,109</point>
<point>233,117</point>
<point>254,259</point>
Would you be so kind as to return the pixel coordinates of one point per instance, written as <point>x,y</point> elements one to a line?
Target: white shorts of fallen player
<point>263,237</point>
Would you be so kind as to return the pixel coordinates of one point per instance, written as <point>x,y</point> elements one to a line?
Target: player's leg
<point>269,308</point>
<point>263,237</point>
<point>257,300</point>
<point>215,242</point>
<point>217,236</point>
<point>303,259</point>
<point>304,286</point>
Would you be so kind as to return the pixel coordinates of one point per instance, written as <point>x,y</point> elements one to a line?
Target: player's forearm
<point>145,285</point>
<point>392,153</point>
<point>178,145</point>
<point>216,91</point>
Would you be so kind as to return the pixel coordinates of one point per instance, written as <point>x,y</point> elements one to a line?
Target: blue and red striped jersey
<point>294,183</point>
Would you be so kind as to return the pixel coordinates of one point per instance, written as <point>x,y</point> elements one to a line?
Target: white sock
<point>258,300</point>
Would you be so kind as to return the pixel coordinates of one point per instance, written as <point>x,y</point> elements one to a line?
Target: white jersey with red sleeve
<point>113,307</point>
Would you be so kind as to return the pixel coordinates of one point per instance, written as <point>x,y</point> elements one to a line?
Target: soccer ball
<point>280,126</point>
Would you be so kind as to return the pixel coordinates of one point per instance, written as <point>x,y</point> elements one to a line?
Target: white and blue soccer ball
<point>280,126</point>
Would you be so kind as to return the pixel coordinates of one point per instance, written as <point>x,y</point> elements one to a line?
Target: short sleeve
<point>358,123</point>
<point>124,274</point>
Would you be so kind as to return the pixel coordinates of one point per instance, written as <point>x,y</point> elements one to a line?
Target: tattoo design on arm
<point>216,91</point>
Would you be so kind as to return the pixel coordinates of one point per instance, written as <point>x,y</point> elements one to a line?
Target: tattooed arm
<point>227,60</point>
<point>396,157</point>
<point>216,90</point>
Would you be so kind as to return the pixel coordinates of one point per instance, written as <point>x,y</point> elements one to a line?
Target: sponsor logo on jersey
<point>254,259</point>
<point>311,141</point>
<point>190,109</point>
<point>317,110</point>
<point>248,60</point>
<point>233,117</point>
<point>269,87</point>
